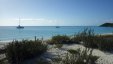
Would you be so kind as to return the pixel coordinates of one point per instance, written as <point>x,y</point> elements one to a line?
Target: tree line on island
<point>107,25</point>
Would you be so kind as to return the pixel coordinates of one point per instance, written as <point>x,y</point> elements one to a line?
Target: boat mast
<point>20,27</point>
<point>19,21</point>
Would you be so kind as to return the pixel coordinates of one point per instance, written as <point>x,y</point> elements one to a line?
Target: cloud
<point>109,20</point>
<point>28,22</point>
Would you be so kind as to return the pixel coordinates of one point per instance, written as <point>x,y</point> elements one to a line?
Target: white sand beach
<point>104,58</point>
<point>53,52</point>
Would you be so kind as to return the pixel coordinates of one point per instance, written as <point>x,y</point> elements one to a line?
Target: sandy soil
<point>104,58</point>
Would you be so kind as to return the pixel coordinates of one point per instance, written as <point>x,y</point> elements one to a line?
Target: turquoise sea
<point>11,32</point>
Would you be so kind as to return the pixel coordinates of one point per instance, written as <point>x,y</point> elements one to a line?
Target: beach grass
<point>79,57</point>
<point>92,40</point>
<point>61,39</point>
<point>18,51</point>
<point>87,38</point>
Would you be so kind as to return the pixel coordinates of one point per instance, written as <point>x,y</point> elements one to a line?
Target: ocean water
<point>11,32</point>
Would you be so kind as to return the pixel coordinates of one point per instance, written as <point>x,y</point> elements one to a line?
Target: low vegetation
<point>107,25</point>
<point>87,38</point>
<point>42,61</point>
<point>61,39</point>
<point>18,51</point>
<point>104,43</point>
<point>59,45</point>
<point>2,51</point>
<point>79,57</point>
<point>91,40</point>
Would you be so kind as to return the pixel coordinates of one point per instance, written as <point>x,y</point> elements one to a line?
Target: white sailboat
<point>57,26</point>
<point>19,27</point>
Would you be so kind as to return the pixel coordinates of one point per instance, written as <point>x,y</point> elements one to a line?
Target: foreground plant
<point>18,51</point>
<point>91,40</point>
<point>79,57</point>
<point>87,37</point>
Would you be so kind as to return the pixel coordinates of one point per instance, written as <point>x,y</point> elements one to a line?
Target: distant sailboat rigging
<point>19,27</point>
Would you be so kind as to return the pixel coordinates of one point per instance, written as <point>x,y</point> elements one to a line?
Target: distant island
<point>107,25</point>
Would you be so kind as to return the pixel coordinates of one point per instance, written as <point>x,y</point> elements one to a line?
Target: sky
<point>55,12</point>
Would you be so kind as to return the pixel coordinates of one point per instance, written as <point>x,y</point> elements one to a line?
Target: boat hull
<point>20,27</point>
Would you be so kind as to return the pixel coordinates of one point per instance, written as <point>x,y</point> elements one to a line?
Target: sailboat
<point>19,27</point>
<point>57,26</point>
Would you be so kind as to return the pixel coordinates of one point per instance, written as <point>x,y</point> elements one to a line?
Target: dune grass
<point>91,40</point>
<point>61,39</point>
<point>18,51</point>
<point>88,39</point>
<point>78,57</point>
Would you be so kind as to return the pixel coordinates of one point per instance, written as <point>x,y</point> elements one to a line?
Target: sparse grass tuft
<point>80,57</point>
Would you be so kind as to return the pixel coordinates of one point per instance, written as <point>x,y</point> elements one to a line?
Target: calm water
<point>10,33</point>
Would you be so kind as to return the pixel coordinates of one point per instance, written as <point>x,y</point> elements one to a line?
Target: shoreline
<point>104,34</point>
<point>7,41</point>
<point>53,52</point>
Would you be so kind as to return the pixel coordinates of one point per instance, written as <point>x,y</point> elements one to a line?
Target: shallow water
<point>11,32</point>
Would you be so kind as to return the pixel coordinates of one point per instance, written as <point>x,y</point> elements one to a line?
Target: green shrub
<point>49,41</point>
<point>59,45</point>
<point>105,43</point>
<point>80,57</point>
<point>73,51</point>
<point>90,39</point>
<point>1,62</point>
<point>42,61</point>
<point>60,39</point>
<point>18,51</point>
<point>2,51</point>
